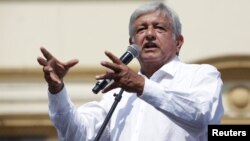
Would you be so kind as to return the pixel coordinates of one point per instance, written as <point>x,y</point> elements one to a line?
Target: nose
<point>150,34</point>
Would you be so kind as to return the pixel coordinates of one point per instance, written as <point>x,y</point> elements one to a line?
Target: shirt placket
<point>139,123</point>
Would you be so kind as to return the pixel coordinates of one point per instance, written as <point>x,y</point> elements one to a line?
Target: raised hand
<point>123,76</point>
<point>54,70</point>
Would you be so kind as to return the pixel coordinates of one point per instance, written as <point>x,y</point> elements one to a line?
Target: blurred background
<point>215,32</point>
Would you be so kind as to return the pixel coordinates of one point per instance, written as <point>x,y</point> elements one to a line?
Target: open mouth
<point>150,45</point>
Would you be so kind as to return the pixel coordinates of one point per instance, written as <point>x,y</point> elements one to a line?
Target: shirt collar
<point>171,67</point>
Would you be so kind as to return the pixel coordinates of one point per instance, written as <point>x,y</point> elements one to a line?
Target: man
<point>166,101</point>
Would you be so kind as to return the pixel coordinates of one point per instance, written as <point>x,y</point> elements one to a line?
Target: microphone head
<point>134,50</point>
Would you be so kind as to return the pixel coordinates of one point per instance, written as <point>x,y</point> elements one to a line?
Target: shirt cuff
<point>60,102</point>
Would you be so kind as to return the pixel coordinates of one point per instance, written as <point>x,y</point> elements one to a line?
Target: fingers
<point>109,75</point>
<point>50,58</point>
<point>113,57</point>
<point>121,75</point>
<point>114,67</point>
<point>41,61</point>
<point>113,71</point>
<point>54,77</point>
<point>110,86</point>
<point>46,53</point>
<point>54,70</point>
<point>51,75</point>
<point>47,69</point>
<point>71,63</point>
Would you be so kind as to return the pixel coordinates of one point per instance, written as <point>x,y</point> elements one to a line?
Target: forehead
<point>152,17</point>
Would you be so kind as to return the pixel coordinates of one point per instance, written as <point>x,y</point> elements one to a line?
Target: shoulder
<point>200,68</point>
<point>207,67</point>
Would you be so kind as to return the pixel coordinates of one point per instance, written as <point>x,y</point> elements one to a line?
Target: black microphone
<point>131,53</point>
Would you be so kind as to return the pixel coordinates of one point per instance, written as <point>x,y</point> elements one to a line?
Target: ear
<point>179,42</point>
<point>131,40</point>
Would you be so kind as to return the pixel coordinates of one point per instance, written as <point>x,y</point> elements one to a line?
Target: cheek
<point>168,41</point>
<point>169,46</point>
<point>138,38</point>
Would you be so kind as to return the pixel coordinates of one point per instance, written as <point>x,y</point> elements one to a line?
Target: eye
<point>161,28</point>
<point>140,29</point>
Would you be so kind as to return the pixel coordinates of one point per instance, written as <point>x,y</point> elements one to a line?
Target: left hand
<point>123,76</point>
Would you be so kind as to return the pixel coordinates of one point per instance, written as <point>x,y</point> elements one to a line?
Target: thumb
<point>71,63</point>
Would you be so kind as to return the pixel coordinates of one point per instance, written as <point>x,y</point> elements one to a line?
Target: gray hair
<point>156,6</point>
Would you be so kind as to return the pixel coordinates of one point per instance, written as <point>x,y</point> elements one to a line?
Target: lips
<point>150,45</point>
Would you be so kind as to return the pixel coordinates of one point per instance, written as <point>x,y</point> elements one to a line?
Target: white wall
<point>214,28</point>
<point>85,29</point>
<point>75,29</point>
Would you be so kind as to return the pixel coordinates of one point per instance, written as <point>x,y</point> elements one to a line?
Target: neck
<point>150,68</point>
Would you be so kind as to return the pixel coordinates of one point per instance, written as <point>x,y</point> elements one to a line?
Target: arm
<point>76,123</point>
<point>71,123</point>
<point>193,106</point>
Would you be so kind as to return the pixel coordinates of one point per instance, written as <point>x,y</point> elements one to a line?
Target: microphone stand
<point>118,97</point>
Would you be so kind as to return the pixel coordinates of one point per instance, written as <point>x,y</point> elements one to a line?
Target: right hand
<point>54,70</point>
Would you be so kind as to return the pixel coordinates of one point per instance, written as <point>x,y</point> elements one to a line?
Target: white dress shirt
<point>177,104</point>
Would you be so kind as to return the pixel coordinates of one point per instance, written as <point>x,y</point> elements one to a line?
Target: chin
<point>151,60</point>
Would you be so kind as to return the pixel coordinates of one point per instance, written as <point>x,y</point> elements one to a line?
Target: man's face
<point>154,35</point>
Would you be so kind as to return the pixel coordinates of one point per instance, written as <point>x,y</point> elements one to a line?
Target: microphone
<point>131,53</point>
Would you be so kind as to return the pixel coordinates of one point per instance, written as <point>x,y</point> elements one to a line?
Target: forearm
<point>72,123</point>
<point>61,112</point>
